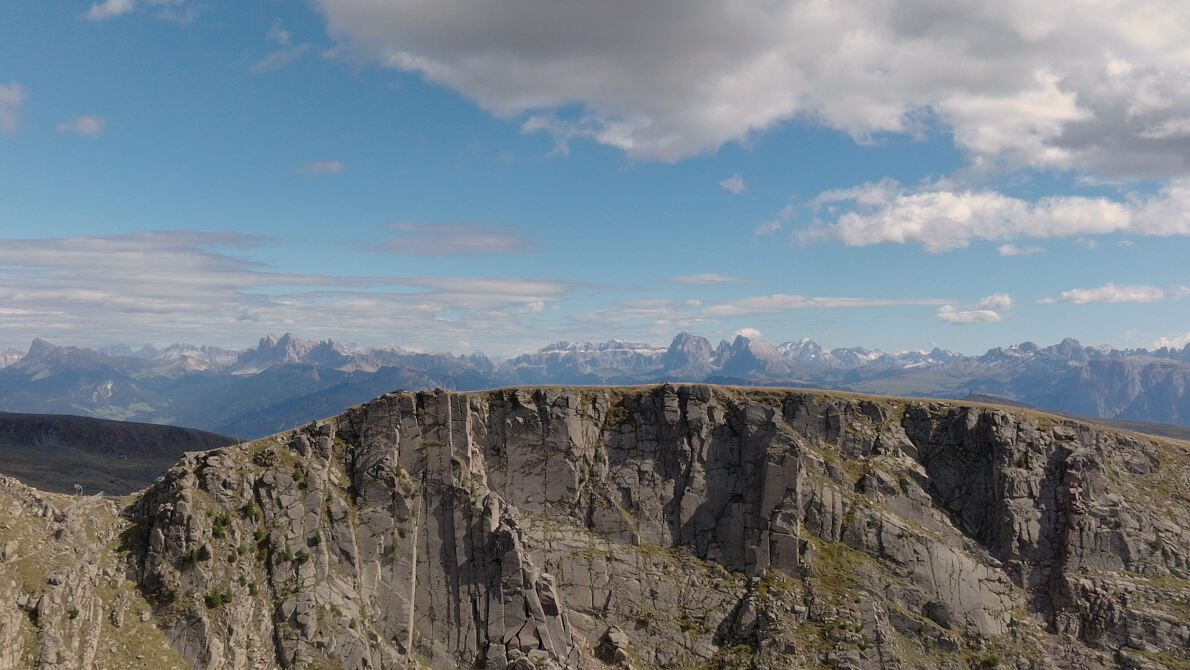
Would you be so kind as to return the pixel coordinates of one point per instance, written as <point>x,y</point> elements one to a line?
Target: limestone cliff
<point>668,526</point>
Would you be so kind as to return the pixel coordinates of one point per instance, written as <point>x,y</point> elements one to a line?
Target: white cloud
<point>279,58</point>
<point>1172,341</point>
<point>1097,85</point>
<point>706,279</point>
<point>735,184</point>
<point>670,314</point>
<point>1014,250</point>
<point>109,8</point>
<point>12,97</point>
<point>767,228</point>
<point>750,333</point>
<point>170,10</point>
<point>1110,292</point>
<point>996,301</point>
<point>84,125</point>
<point>771,304</point>
<point>940,217</point>
<point>951,314</point>
<point>184,285</point>
<point>322,167</point>
<point>287,52</point>
<point>472,238</point>
<point>787,214</point>
<point>278,35</point>
<point>988,309</point>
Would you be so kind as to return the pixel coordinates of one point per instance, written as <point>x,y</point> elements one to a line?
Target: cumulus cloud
<point>321,167</point>
<point>472,238</point>
<point>1097,85</point>
<point>186,285</point>
<point>109,8</point>
<point>988,309</point>
<point>734,184</point>
<point>940,216</point>
<point>996,301</point>
<point>84,125</point>
<point>12,97</point>
<point>1110,292</point>
<point>705,279</point>
<point>750,333</point>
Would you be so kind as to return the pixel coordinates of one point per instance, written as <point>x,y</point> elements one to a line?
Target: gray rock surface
<point>665,526</point>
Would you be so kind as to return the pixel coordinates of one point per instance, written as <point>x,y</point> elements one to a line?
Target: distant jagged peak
<point>755,345</point>
<point>270,351</point>
<point>292,346</point>
<point>610,345</point>
<point>690,344</point>
<point>688,357</point>
<point>39,347</point>
<point>43,351</point>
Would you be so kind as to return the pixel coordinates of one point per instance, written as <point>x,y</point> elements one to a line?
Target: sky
<point>464,175</point>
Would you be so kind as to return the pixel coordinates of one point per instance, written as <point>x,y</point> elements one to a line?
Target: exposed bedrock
<point>672,526</point>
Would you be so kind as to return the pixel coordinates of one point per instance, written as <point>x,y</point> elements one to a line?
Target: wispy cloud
<point>170,10</point>
<point>667,314</point>
<point>287,51</point>
<point>988,309</point>
<point>706,279</point>
<point>734,184</point>
<point>767,228</point>
<point>1116,293</point>
<point>12,98</point>
<point>785,215</point>
<point>169,285</point>
<point>780,302</point>
<point>473,238</point>
<point>321,167</point>
<point>952,314</point>
<point>84,125</point>
<point>1014,250</point>
<point>109,8</point>
<point>279,58</point>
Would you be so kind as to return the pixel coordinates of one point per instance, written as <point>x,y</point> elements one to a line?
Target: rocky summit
<point>686,526</point>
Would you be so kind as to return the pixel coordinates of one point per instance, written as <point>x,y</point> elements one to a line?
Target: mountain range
<point>286,381</point>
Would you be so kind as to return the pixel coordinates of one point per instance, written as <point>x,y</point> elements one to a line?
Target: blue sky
<point>460,175</point>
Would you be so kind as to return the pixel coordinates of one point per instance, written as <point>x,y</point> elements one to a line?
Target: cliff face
<point>688,526</point>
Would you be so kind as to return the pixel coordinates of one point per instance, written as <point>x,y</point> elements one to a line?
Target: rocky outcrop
<point>669,526</point>
<point>66,600</point>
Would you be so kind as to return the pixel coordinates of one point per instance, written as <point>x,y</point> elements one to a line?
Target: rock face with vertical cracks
<point>671,526</point>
